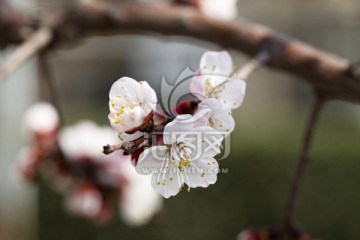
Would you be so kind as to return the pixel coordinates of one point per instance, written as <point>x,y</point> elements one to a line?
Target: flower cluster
<point>178,151</point>
<point>70,158</point>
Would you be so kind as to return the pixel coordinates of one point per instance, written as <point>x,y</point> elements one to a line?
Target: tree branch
<point>244,72</point>
<point>46,77</point>
<point>326,72</point>
<point>31,47</point>
<point>288,223</point>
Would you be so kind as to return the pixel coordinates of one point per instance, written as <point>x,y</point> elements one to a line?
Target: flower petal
<point>223,10</point>
<point>210,142</point>
<point>151,159</point>
<point>127,88</point>
<point>204,174</point>
<point>183,123</point>
<point>219,117</point>
<point>168,184</point>
<point>216,63</point>
<point>231,93</point>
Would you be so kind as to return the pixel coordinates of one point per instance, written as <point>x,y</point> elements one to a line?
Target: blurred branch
<point>302,162</point>
<point>244,72</point>
<point>46,76</point>
<point>325,71</point>
<point>28,49</point>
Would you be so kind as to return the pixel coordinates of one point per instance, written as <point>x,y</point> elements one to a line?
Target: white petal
<point>202,116</point>
<point>224,9</point>
<point>41,118</point>
<point>220,117</point>
<point>216,63</point>
<point>151,159</point>
<point>197,86</point>
<point>183,123</point>
<point>85,140</point>
<point>205,173</point>
<point>231,93</point>
<point>166,185</point>
<point>126,88</point>
<point>149,95</point>
<point>139,202</point>
<point>204,85</point>
<point>209,143</point>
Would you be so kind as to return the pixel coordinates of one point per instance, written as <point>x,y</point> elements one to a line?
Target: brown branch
<point>128,147</point>
<point>108,149</point>
<point>303,159</point>
<point>28,49</point>
<point>47,79</point>
<point>326,72</point>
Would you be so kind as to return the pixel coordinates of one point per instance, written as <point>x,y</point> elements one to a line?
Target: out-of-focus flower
<point>41,119</point>
<point>27,164</point>
<point>81,145</point>
<point>272,234</point>
<point>84,140</point>
<point>131,105</point>
<point>220,9</point>
<point>138,201</point>
<point>213,114</point>
<point>87,201</point>
<point>213,80</point>
<point>187,157</point>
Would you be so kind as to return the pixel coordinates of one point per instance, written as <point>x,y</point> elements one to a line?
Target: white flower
<point>213,80</point>
<point>41,118</point>
<point>131,104</point>
<point>84,141</point>
<point>85,200</point>
<point>138,202</point>
<point>211,113</point>
<point>27,165</point>
<point>187,157</point>
<point>221,9</point>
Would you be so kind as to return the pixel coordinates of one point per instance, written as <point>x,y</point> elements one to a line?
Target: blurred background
<point>264,145</point>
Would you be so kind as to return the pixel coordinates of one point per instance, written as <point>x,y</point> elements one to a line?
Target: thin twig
<point>128,147</point>
<point>47,78</point>
<point>244,72</point>
<point>108,149</point>
<point>303,159</point>
<point>28,49</point>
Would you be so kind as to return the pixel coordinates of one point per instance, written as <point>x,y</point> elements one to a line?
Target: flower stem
<point>244,72</point>
<point>303,159</point>
<point>128,147</point>
<point>108,149</point>
<point>47,79</point>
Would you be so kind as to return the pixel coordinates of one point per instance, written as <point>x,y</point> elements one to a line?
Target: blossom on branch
<point>214,80</point>
<point>83,141</point>
<point>210,112</point>
<point>41,119</point>
<point>186,157</point>
<point>131,105</point>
